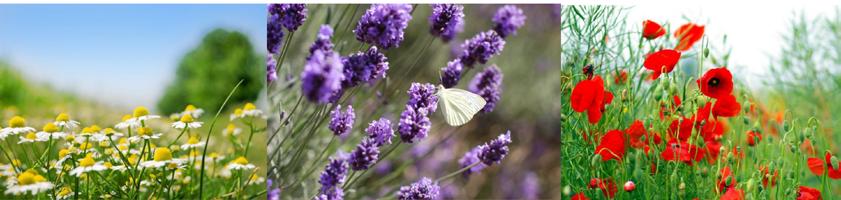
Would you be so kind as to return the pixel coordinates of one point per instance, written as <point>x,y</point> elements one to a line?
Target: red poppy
<point>579,196</point>
<point>682,151</point>
<point>807,193</point>
<point>681,128</point>
<point>754,137</point>
<point>661,62</point>
<point>652,30</point>
<point>726,107</point>
<point>703,113</point>
<point>713,150</point>
<point>712,130</point>
<point>733,194</point>
<point>817,166</point>
<point>769,178</point>
<point>612,146</point>
<point>621,77</point>
<point>607,186</point>
<point>687,35</point>
<point>726,180</point>
<point>590,95</point>
<point>716,83</point>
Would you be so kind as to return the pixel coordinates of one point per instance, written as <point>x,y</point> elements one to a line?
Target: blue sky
<point>122,55</point>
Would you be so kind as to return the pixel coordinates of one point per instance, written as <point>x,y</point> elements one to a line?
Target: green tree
<point>207,73</point>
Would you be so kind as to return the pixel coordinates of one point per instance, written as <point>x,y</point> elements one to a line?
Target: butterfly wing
<point>459,105</point>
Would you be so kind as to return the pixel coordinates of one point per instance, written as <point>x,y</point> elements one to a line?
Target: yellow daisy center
<point>249,106</point>
<point>230,128</point>
<point>186,118</point>
<point>132,159</point>
<point>62,117</point>
<point>140,111</point>
<point>63,152</point>
<point>85,146</point>
<point>190,107</point>
<point>17,122</point>
<point>109,131</point>
<point>193,140</point>
<point>126,117</point>
<point>70,137</point>
<point>108,165</point>
<point>87,161</point>
<point>238,112</point>
<point>240,160</point>
<point>95,128</point>
<point>65,191</point>
<point>50,128</point>
<point>26,178</point>
<point>162,154</point>
<point>145,131</point>
<point>31,136</point>
<point>87,130</point>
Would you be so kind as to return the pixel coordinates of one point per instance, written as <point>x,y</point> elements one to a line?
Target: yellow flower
<point>140,111</point>
<point>87,161</point>
<point>17,122</point>
<point>162,154</point>
<point>187,118</point>
<point>62,117</point>
<point>126,117</point>
<point>240,160</point>
<point>190,107</point>
<point>249,106</point>
<point>50,128</point>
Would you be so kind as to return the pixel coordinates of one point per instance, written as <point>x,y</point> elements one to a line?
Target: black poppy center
<point>713,82</point>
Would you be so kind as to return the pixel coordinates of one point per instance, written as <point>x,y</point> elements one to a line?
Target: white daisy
<point>186,121</point>
<point>127,123</point>
<point>255,180</point>
<point>17,125</point>
<point>249,110</point>
<point>107,135</point>
<point>64,193</point>
<point>7,170</point>
<point>63,120</point>
<point>144,133</point>
<point>31,137</point>
<point>87,164</point>
<point>162,157</point>
<point>192,111</point>
<point>50,131</point>
<point>29,182</point>
<point>142,114</point>
<point>239,163</point>
<point>231,129</point>
<point>193,142</point>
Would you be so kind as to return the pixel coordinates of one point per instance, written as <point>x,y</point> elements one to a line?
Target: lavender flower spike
<point>480,48</point>
<point>341,122</point>
<point>451,74</point>
<point>422,97</point>
<point>334,174</point>
<point>446,21</point>
<point>271,69</point>
<point>322,76</point>
<point>274,34</point>
<point>383,24</point>
<point>508,19</point>
<point>495,151</point>
<point>470,158</point>
<point>292,16</point>
<point>334,193</point>
<point>424,189</point>
<point>414,124</point>
<point>364,67</point>
<point>488,84</point>
<point>365,154</point>
<point>322,40</point>
<point>381,131</point>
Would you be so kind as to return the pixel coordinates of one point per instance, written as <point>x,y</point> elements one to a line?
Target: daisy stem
<point>207,139</point>
<point>250,136</point>
<point>179,135</point>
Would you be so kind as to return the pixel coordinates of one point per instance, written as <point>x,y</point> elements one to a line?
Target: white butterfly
<point>458,105</point>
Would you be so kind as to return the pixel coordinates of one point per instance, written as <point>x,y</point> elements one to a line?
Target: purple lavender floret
<point>446,21</point>
<point>322,41</point>
<point>383,24</point>
<point>271,69</point>
<point>424,189</point>
<point>322,76</point>
<point>508,19</point>
<point>414,124</point>
<point>341,122</point>
<point>495,151</point>
<point>364,67</point>
<point>530,187</point>
<point>422,97</point>
<point>274,34</point>
<point>292,16</point>
<point>334,174</point>
<point>488,84</point>
<point>365,154</point>
<point>481,48</point>
<point>334,193</point>
<point>470,158</point>
<point>381,131</point>
<point>451,74</point>
<point>273,192</point>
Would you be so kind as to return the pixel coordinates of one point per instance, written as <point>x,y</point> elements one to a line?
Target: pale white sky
<point>754,28</point>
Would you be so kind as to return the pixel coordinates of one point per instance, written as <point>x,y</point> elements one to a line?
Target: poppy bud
<point>673,177</point>
<point>746,121</point>
<point>563,117</point>
<point>595,160</point>
<point>567,190</point>
<point>630,186</point>
<point>682,186</point>
<point>706,52</point>
<point>834,160</point>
